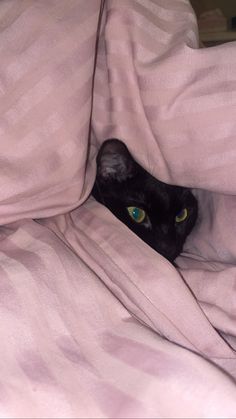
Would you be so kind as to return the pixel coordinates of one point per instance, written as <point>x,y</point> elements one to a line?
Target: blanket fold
<point>93,322</point>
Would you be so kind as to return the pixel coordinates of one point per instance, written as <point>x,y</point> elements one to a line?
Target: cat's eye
<point>137,214</point>
<point>181,216</point>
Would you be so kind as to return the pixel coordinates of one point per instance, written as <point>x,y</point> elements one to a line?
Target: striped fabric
<point>47,52</point>
<point>93,322</point>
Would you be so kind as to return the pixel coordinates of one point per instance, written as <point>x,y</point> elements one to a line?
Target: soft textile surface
<point>47,51</point>
<point>94,323</point>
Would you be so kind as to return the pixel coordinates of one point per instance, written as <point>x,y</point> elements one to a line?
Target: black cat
<point>161,215</point>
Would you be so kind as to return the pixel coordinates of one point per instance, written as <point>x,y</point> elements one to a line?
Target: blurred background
<point>216,20</point>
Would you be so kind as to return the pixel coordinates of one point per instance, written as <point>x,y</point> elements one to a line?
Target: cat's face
<point>162,215</point>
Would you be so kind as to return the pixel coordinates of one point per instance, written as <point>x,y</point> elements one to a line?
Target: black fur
<point>121,182</point>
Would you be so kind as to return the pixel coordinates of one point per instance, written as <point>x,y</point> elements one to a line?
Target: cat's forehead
<point>157,198</point>
<point>154,195</point>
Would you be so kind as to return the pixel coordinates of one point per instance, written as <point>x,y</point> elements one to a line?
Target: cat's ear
<point>114,161</point>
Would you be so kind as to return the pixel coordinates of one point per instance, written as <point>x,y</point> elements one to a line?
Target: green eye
<point>181,216</point>
<point>137,214</point>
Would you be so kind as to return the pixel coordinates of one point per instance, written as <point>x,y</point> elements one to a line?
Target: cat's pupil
<point>135,213</point>
<point>182,215</point>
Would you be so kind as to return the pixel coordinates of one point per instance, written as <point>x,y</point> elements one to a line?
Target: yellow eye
<point>181,216</point>
<point>137,214</point>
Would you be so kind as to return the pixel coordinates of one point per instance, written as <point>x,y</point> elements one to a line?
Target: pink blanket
<point>93,322</point>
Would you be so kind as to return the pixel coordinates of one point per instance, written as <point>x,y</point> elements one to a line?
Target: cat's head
<point>162,215</point>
